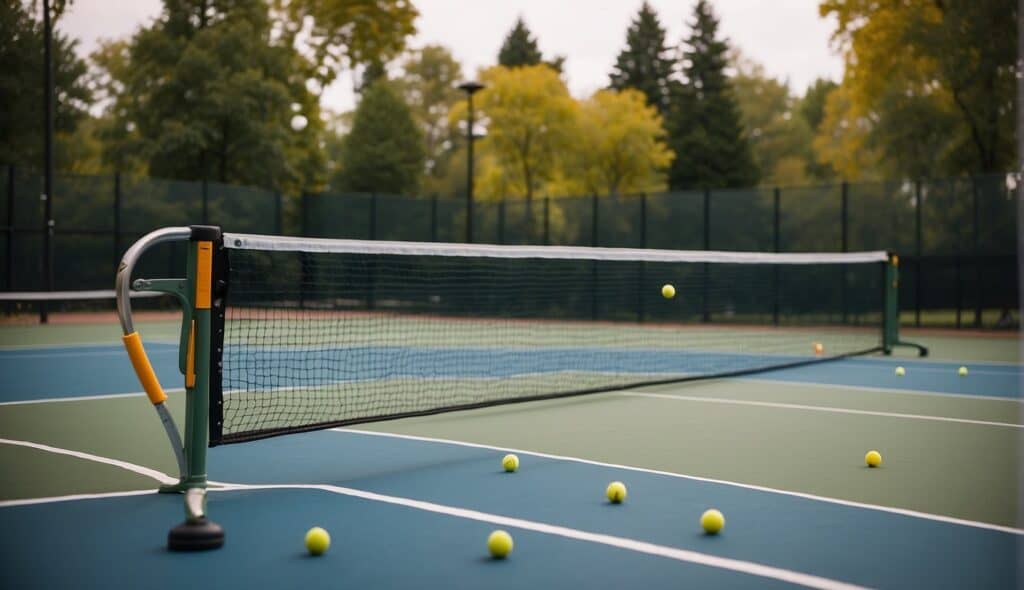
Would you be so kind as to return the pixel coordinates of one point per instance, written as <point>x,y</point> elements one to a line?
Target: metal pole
<point>47,195</point>
<point>501,221</point>
<point>593,263</point>
<point>547,221</point>
<point>918,278</point>
<point>706,274</point>
<point>433,218</point>
<point>777,243</point>
<point>976,254</point>
<point>117,218</point>
<point>9,255</point>
<point>469,174</point>
<point>641,283</point>
<point>279,213</point>
<point>843,228</point>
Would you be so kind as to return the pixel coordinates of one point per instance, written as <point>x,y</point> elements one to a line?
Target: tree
<point>621,146</point>
<point>344,33</point>
<point>203,93</point>
<point>947,67</point>
<point>428,82</point>
<point>530,119</point>
<point>811,109</point>
<point>779,137</point>
<point>646,63</point>
<point>21,86</point>
<point>520,49</point>
<point>384,150</point>
<point>704,128</point>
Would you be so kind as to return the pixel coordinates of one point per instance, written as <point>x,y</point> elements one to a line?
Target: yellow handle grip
<point>143,369</point>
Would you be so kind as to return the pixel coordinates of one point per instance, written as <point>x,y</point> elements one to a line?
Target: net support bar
<point>891,310</point>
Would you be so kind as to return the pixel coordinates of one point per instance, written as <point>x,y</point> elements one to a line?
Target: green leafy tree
<point>429,84</point>
<point>21,90</point>
<point>204,92</point>
<point>520,49</point>
<point>947,67</point>
<point>780,139</point>
<point>646,62</point>
<point>811,109</point>
<point>704,128</point>
<point>343,34</point>
<point>384,150</point>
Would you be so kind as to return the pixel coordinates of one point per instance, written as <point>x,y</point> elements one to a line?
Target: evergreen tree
<point>384,151</point>
<point>645,63</point>
<point>21,88</point>
<point>704,127</point>
<point>520,49</point>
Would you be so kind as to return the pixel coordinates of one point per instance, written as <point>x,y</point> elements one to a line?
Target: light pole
<point>470,88</point>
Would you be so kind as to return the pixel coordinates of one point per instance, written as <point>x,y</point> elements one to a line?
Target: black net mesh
<point>314,339</point>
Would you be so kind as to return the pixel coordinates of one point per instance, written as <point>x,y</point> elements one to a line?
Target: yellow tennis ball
<point>616,492</point>
<point>668,291</point>
<point>712,521</point>
<point>510,462</point>
<point>819,348</point>
<point>962,371</point>
<point>900,371</point>
<point>499,543</point>
<point>317,540</point>
<point>873,458</point>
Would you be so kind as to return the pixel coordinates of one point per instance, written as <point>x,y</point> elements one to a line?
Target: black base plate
<point>195,536</point>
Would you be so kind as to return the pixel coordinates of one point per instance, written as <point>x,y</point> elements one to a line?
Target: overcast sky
<point>786,36</point>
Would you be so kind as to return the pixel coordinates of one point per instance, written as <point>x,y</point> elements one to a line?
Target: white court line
<point>74,497</point>
<point>152,473</point>
<point>803,495</point>
<point>736,565</point>
<point>833,410</point>
<point>51,400</point>
<point>1013,400</point>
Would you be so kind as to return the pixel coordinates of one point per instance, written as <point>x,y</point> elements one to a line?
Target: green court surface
<point>410,501</point>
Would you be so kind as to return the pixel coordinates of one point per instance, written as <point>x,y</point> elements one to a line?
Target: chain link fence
<point>956,237</point>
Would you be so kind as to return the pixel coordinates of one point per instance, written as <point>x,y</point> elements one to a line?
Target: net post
<point>206,289</point>
<point>891,309</point>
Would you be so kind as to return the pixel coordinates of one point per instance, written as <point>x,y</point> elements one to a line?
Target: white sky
<point>786,36</point>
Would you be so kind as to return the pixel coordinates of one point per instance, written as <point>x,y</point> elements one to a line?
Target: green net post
<point>891,310</point>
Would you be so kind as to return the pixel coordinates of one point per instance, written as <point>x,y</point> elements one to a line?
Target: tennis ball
<point>668,291</point>
<point>819,348</point>
<point>900,371</point>
<point>962,371</point>
<point>873,458</point>
<point>510,462</point>
<point>616,492</point>
<point>499,543</point>
<point>712,521</point>
<point>317,540</point>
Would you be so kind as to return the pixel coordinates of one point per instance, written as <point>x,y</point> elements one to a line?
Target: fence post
<point>372,228</point>
<point>304,273</point>
<point>433,217</point>
<point>777,243</point>
<point>706,274</point>
<point>844,225</point>
<point>501,221</point>
<point>593,264</point>
<point>641,287</point>
<point>206,201</point>
<point>278,213</point>
<point>918,250</point>
<point>547,221</point>
<point>10,234</point>
<point>371,266</point>
<point>117,219</point>
<point>975,253</point>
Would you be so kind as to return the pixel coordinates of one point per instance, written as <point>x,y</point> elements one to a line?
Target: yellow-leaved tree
<point>620,145</point>
<point>530,120</point>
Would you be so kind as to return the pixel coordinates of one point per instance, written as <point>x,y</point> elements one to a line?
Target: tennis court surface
<point>410,501</point>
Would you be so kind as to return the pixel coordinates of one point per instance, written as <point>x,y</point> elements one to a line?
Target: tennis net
<point>312,333</point>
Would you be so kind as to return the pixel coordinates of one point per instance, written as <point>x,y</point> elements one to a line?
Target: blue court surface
<point>410,503</point>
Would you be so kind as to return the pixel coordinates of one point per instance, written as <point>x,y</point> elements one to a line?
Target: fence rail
<point>957,237</point>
